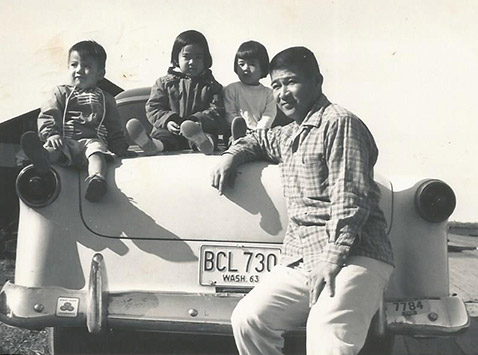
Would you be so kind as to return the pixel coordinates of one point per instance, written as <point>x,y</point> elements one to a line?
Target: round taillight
<point>35,189</point>
<point>435,201</point>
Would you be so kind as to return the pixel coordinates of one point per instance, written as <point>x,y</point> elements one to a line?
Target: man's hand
<point>55,141</point>
<point>173,127</point>
<point>223,172</point>
<point>323,275</point>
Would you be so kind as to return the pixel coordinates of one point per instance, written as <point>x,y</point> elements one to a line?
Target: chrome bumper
<point>95,308</point>
<point>98,309</point>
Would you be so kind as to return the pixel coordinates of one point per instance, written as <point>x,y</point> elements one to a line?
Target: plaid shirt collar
<point>314,117</point>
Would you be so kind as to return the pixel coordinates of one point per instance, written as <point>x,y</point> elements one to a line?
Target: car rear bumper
<point>36,308</point>
<point>98,309</point>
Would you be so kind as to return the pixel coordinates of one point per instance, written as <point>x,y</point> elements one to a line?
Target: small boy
<point>79,125</point>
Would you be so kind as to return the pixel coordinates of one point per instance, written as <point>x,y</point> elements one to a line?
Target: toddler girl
<point>185,106</point>
<point>249,104</point>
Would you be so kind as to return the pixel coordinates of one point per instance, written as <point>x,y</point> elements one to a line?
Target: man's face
<point>294,92</point>
<point>85,72</point>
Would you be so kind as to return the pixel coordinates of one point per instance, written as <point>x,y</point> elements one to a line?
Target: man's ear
<point>318,80</point>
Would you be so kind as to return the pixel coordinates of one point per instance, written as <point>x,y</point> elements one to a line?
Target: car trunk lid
<point>169,196</point>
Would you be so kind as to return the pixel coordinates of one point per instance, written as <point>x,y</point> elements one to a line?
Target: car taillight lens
<point>37,190</point>
<point>435,201</point>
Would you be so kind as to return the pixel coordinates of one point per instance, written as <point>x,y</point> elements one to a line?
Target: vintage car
<point>163,251</point>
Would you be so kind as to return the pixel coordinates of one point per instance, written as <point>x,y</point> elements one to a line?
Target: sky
<point>408,68</point>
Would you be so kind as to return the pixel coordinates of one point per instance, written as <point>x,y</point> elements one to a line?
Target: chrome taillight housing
<point>435,201</point>
<point>35,189</point>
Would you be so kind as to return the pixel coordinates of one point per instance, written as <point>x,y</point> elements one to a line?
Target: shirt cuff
<point>335,254</point>
<point>238,156</point>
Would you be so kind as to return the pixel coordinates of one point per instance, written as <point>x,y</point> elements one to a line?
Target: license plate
<point>407,307</point>
<point>235,266</point>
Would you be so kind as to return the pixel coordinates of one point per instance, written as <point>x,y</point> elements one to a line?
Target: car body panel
<point>420,250</point>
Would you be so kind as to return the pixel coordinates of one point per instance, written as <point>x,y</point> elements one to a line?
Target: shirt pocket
<point>314,175</point>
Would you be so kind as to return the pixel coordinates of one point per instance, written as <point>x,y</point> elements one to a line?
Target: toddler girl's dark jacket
<point>177,97</point>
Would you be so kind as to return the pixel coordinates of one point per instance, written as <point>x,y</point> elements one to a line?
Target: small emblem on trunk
<point>67,307</point>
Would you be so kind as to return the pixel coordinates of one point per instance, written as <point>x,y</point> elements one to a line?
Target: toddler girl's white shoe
<point>194,133</point>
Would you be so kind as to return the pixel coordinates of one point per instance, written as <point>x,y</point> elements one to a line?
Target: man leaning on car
<point>336,258</point>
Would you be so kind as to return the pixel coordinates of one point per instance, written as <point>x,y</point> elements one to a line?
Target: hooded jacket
<point>177,97</point>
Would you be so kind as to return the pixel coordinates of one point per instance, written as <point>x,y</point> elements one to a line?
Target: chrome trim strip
<point>132,99</point>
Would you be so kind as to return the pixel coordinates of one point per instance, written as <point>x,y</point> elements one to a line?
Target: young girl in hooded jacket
<point>185,106</point>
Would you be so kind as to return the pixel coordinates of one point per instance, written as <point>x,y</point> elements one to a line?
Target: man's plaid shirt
<point>327,173</point>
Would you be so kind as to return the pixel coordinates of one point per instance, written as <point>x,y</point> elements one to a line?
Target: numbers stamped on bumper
<point>407,307</point>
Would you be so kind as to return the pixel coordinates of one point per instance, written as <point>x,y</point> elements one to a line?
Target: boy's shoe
<point>137,133</point>
<point>96,188</point>
<point>194,133</point>
<point>238,128</point>
<point>34,150</point>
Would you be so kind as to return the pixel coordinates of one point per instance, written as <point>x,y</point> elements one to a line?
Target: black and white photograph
<point>248,177</point>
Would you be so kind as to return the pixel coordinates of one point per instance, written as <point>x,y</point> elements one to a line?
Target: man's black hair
<point>253,50</point>
<point>299,57</point>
